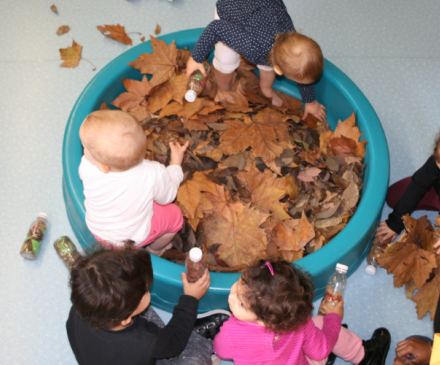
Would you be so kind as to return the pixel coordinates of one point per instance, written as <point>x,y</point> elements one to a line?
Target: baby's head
<point>109,287</point>
<point>297,57</point>
<point>281,301</point>
<point>113,140</point>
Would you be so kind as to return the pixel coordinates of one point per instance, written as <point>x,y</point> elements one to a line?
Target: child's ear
<point>126,322</point>
<point>277,70</point>
<point>103,168</point>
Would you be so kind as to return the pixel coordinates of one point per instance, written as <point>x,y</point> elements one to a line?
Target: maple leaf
<point>234,101</point>
<point>54,9</point>
<point>157,30</point>
<point>420,232</point>
<point>63,29</point>
<point>134,100</point>
<point>427,297</point>
<point>71,55</point>
<point>173,89</point>
<point>223,205</point>
<point>293,235</point>
<point>142,39</point>
<point>116,32</point>
<point>261,136</point>
<point>162,63</point>
<point>189,193</point>
<point>266,191</point>
<point>342,145</point>
<point>242,240</point>
<point>406,261</point>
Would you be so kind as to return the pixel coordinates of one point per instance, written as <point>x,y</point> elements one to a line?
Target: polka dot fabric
<point>249,27</point>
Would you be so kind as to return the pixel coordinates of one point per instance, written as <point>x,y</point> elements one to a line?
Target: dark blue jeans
<point>197,352</point>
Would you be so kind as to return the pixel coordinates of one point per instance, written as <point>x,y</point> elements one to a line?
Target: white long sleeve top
<point>119,205</point>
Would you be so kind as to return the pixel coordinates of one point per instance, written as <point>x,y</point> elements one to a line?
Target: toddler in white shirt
<point>126,196</point>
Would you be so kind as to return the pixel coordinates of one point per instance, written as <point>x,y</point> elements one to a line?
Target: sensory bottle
<point>32,244</point>
<point>336,285</point>
<point>196,83</point>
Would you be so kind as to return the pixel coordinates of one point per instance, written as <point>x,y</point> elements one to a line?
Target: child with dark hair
<point>109,322</point>
<point>271,324</point>
<point>419,192</point>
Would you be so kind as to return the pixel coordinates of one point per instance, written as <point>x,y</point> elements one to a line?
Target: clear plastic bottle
<point>196,83</point>
<point>32,244</point>
<point>195,264</point>
<point>375,249</point>
<point>66,250</point>
<point>336,285</point>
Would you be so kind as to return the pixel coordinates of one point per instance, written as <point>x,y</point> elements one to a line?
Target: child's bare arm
<point>192,65</point>
<point>199,288</point>
<point>317,109</point>
<point>177,152</point>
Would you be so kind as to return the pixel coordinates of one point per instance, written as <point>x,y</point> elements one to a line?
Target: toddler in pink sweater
<point>271,305</point>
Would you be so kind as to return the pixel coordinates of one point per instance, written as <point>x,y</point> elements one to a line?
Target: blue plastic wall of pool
<point>335,90</point>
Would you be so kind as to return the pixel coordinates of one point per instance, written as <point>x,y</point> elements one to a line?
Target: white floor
<point>390,49</point>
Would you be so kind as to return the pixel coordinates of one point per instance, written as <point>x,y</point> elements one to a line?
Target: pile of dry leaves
<point>414,263</point>
<point>258,180</point>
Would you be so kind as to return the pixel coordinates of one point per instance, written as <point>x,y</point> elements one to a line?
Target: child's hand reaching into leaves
<point>177,152</point>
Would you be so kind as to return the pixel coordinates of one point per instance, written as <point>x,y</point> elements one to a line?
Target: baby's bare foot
<point>271,94</point>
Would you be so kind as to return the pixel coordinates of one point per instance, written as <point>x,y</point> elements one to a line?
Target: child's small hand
<point>192,65</point>
<point>199,288</point>
<point>387,233</point>
<point>338,309</point>
<point>177,152</point>
<point>317,109</point>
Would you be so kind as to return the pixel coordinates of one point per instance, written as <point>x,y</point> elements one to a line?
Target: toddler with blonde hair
<point>263,33</point>
<point>126,196</point>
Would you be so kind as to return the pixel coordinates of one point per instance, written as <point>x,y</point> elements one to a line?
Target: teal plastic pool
<point>335,90</point>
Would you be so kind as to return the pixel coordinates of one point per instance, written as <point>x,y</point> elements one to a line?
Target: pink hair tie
<point>270,267</point>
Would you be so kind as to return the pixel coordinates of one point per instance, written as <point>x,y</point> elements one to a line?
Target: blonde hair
<point>297,56</point>
<point>114,138</point>
<point>436,151</point>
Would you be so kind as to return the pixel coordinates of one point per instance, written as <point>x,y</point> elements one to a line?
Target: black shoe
<point>376,348</point>
<point>208,324</point>
<point>332,357</point>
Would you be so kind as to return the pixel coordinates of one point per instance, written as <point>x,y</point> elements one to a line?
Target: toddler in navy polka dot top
<point>263,33</point>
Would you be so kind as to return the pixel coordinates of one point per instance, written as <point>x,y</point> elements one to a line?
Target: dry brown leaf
<point>189,194</point>
<point>293,235</point>
<point>54,9</point>
<point>71,55</point>
<point>427,297</point>
<point>63,29</point>
<point>134,100</point>
<point>162,63</point>
<point>116,32</point>
<point>242,240</point>
<point>406,261</point>
<point>234,101</point>
<point>157,30</point>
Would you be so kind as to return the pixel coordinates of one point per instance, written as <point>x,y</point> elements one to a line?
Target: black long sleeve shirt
<point>143,342</point>
<point>422,181</point>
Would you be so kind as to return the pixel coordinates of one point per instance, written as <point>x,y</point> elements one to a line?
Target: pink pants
<point>348,347</point>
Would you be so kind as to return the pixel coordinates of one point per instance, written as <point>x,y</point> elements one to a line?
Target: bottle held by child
<point>195,265</point>
<point>196,83</point>
<point>37,231</point>
<point>375,250</point>
<point>66,250</point>
<point>336,285</point>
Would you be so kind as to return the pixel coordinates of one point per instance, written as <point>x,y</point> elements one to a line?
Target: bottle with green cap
<point>196,83</point>
<point>37,231</point>
<point>335,289</point>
